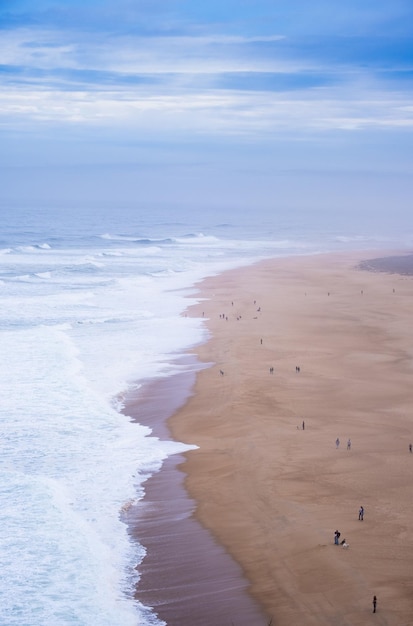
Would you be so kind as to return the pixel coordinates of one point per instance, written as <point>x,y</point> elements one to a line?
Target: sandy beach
<point>306,351</point>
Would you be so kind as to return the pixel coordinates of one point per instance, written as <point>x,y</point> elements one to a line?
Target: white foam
<point>68,466</point>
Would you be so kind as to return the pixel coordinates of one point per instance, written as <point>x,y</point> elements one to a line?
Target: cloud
<point>147,112</point>
<point>203,74</point>
<point>52,50</point>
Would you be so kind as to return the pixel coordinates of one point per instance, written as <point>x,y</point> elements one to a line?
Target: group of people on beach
<point>348,443</point>
<point>337,542</point>
<point>337,534</point>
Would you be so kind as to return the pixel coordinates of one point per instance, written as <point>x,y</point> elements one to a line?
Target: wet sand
<point>273,493</point>
<point>187,577</point>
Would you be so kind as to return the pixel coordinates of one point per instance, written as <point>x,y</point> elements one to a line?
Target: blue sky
<point>235,101</point>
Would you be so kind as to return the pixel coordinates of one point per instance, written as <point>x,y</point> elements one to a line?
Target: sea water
<point>92,305</point>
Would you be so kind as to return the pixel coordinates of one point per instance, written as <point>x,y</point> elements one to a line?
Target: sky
<point>213,103</point>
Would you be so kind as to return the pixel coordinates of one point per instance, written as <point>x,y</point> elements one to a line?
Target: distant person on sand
<point>361,513</point>
<point>303,425</point>
<point>349,444</point>
<point>374,604</point>
<point>336,537</point>
<point>337,442</point>
<point>410,448</point>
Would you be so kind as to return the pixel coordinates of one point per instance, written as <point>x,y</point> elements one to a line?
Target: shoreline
<point>186,577</point>
<point>272,493</point>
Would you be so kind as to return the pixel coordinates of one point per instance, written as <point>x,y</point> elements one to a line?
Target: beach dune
<point>305,351</point>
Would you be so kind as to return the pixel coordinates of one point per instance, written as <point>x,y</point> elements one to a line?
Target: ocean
<point>92,305</point>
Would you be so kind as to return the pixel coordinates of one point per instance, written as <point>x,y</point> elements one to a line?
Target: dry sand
<point>272,493</point>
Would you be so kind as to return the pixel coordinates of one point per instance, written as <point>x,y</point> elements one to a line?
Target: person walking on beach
<point>349,444</point>
<point>361,513</point>
<point>374,604</point>
<point>336,537</point>
<point>410,448</point>
<point>337,442</point>
<point>303,425</point>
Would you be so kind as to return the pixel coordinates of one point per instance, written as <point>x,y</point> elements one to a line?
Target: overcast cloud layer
<point>158,83</point>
